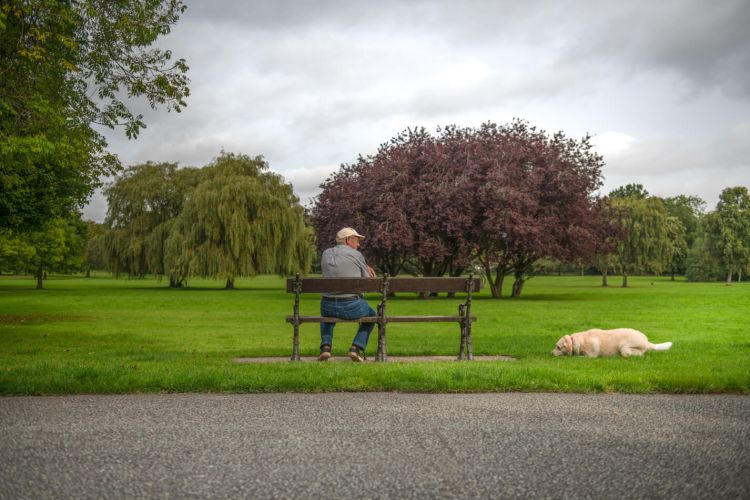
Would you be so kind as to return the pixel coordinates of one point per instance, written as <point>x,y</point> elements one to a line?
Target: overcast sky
<point>663,86</point>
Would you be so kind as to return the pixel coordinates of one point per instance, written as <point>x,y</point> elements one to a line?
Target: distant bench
<point>384,286</point>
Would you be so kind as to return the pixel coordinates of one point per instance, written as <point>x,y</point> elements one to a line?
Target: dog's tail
<point>660,347</point>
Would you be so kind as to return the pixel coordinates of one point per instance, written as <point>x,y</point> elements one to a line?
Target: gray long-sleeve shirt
<point>343,261</point>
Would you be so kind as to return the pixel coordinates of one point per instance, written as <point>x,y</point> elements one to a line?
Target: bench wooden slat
<point>326,319</point>
<point>364,285</point>
<point>431,284</point>
<point>374,319</point>
<point>336,285</point>
<point>424,319</point>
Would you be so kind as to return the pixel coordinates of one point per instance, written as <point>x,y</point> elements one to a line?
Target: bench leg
<point>295,343</point>
<point>295,339</point>
<point>382,356</point>
<point>469,345</point>
<point>462,325</point>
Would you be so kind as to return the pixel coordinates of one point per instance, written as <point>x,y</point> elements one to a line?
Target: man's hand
<point>371,272</point>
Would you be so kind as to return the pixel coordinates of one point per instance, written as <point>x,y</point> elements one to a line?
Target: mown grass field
<point>101,335</point>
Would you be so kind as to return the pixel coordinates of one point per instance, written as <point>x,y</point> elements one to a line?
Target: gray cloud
<point>313,84</point>
<point>706,43</point>
<point>667,166</point>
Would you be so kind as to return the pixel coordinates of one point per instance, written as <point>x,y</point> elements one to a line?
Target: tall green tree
<point>241,221</point>
<point>67,67</point>
<point>688,210</point>
<point>679,247</point>
<point>15,252</point>
<point>612,233</point>
<point>58,246</point>
<point>646,246</point>
<point>702,262</point>
<point>142,204</point>
<point>630,191</point>
<point>95,255</point>
<point>728,230</point>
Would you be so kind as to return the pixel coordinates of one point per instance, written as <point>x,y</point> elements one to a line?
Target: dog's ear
<point>558,350</point>
<point>568,343</point>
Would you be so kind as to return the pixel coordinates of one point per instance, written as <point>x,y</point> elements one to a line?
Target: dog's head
<point>564,347</point>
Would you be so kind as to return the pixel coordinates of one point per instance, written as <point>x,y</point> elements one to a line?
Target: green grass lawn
<point>102,335</point>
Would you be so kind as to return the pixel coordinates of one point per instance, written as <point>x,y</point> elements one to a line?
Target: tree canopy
<point>630,191</point>
<point>67,67</point>
<point>142,205</point>
<point>688,210</point>
<point>57,246</point>
<point>95,256</point>
<point>231,218</point>
<point>728,230</point>
<point>241,221</point>
<point>503,195</point>
<point>647,244</point>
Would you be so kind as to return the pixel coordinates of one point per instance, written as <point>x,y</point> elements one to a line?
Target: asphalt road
<point>381,445</point>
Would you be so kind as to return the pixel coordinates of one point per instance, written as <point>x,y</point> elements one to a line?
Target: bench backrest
<point>363,285</point>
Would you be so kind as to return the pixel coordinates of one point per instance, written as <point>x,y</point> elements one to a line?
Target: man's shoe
<point>325,353</point>
<point>357,355</point>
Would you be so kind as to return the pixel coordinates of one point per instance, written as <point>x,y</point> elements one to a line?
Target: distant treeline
<point>498,201</point>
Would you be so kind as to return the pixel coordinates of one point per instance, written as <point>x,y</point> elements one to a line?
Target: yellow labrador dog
<point>592,343</point>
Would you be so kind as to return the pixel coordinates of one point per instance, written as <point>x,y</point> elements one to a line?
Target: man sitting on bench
<point>345,261</point>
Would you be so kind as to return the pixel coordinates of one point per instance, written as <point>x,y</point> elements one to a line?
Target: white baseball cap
<point>348,232</point>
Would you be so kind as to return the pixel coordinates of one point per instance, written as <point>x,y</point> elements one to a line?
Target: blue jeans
<point>346,309</point>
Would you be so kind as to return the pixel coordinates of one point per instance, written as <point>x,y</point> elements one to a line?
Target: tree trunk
<point>88,273</point>
<point>604,278</point>
<point>739,276</point>
<point>230,284</point>
<point>729,278</point>
<point>624,279</point>
<point>496,285</point>
<point>39,278</point>
<point>173,283</point>
<point>518,286</point>
<point>499,280</point>
<point>494,290</point>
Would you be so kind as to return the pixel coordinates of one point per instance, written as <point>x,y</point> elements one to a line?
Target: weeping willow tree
<point>646,246</point>
<point>240,221</point>
<point>142,205</point>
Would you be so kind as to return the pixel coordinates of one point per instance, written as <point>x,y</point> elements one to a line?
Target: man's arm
<point>367,271</point>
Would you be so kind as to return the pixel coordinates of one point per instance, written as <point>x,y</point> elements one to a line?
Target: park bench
<point>385,286</point>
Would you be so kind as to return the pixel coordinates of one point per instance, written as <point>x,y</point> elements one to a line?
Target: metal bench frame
<point>384,286</point>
